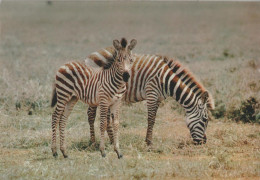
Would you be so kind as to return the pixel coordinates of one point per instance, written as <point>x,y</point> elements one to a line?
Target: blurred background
<point>212,38</point>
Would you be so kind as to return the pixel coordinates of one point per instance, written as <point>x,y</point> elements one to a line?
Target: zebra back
<point>103,58</point>
<point>146,67</point>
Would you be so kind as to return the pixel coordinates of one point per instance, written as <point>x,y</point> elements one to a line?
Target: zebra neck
<point>183,90</point>
<point>116,76</point>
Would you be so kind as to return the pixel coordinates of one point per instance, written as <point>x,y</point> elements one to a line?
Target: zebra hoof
<point>103,154</point>
<point>64,154</point>
<point>55,154</point>
<point>120,156</point>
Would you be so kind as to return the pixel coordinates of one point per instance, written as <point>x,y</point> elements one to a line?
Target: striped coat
<point>154,78</point>
<point>102,87</point>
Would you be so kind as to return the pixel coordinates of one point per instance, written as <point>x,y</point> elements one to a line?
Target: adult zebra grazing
<point>154,78</point>
<point>104,87</point>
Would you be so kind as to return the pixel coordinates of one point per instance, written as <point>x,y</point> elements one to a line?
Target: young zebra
<point>102,87</point>
<point>154,78</point>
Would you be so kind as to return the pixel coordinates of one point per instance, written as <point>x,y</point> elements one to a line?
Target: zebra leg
<point>152,106</point>
<point>115,119</point>
<point>110,127</point>
<point>55,120</point>
<point>91,119</point>
<point>62,124</point>
<point>103,127</point>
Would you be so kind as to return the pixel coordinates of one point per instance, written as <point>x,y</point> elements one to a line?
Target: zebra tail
<point>54,97</point>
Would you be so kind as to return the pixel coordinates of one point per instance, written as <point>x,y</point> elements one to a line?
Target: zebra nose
<point>204,139</point>
<point>126,76</point>
<point>200,141</point>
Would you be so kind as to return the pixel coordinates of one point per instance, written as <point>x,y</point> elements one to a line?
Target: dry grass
<point>218,42</point>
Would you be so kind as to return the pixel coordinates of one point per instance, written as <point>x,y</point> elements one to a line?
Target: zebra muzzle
<point>200,141</point>
<point>126,76</point>
<point>204,139</point>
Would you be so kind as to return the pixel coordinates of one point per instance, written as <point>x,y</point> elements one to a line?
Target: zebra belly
<point>92,96</point>
<point>92,103</point>
<point>132,98</point>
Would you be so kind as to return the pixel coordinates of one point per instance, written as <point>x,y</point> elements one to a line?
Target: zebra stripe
<point>96,87</point>
<point>154,78</point>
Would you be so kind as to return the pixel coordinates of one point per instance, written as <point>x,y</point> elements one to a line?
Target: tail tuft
<point>54,97</point>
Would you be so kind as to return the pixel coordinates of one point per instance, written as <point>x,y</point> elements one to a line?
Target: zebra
<point>96,87</point>
<point>156,77</point>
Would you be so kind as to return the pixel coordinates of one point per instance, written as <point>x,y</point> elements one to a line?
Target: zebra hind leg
<point>62,124</point>
<point>55,120</point>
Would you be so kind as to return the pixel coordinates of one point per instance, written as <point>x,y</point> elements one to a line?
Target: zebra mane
<point>188,78</point>
<point>103,58</point>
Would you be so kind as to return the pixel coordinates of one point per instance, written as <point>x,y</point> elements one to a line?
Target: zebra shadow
<point>85,145</point>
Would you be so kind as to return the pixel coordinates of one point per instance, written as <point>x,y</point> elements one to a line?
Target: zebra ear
<point>117,45</point>
<point>132,44</point>
<point>205,97</point>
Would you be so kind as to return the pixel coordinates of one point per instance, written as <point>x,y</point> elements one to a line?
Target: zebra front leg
<point>152,106</point>
<point>62,124</point>
<point>91,119</point>
<point>103,127</point>
<point>110,127</point>
<point>115,120</point>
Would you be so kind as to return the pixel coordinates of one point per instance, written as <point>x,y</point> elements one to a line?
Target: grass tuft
<point>247,112</point>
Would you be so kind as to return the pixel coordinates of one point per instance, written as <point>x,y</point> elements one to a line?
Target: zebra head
<point>197,119</point>
<point>124,57</point>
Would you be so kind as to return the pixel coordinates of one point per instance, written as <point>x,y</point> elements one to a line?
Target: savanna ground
<point>219,42</point>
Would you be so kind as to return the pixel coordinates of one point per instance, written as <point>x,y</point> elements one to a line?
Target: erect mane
<point>188,78</point>
<point>103,58</point>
